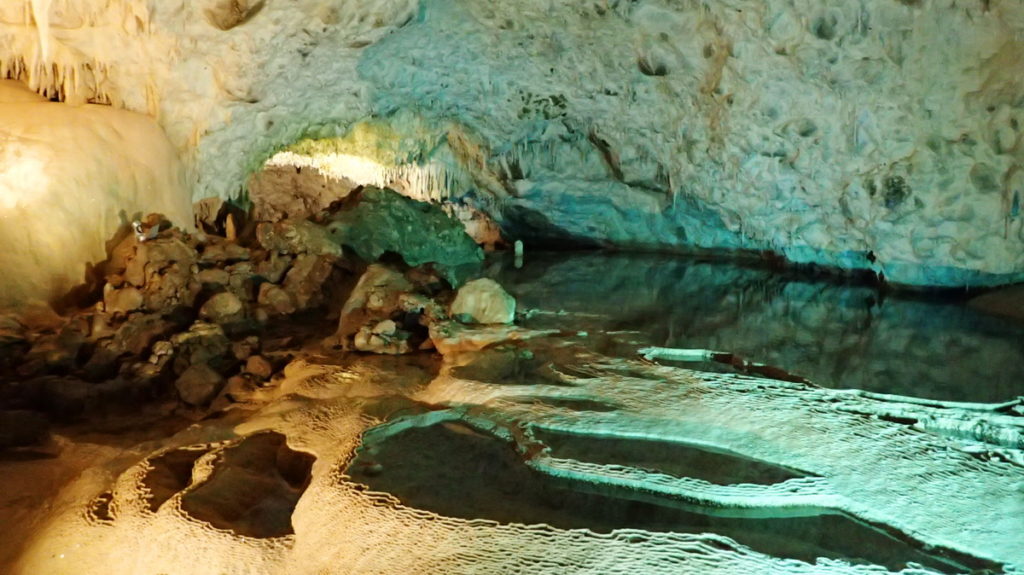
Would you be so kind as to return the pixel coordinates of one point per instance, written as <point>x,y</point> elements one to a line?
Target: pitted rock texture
<point>380,221</point>
<point>815,130</point>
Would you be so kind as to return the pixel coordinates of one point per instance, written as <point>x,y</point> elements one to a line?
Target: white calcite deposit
<point>70,178</point>
<point>880,134</point>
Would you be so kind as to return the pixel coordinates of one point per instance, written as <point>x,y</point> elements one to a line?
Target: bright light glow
<point>69,178</point>
<point>430,182</point>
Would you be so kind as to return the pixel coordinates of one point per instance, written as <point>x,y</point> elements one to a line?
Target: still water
<point>456,471</point>
<point>838,336</point>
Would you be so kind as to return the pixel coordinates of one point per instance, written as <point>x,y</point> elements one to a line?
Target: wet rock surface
<point>459,430</point>
<point>184,313</point>
<point>253,488</point>
<point>483,301</point>
<point>199,384</point>
<point>375,221</point>
<point>834,334</point>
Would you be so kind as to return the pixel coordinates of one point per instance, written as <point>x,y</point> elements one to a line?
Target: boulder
<point>483,301</point>
<point>305,280</point>
<point>223,308</point>
<point>259,367</point>
<point>199,384</point>
<point>122,301</point>
<point>377,221</point>
<point>297,237</point>
<point>382,337</point>
<point>162,269</point>
<point>203,344</point>
<point>275,300</point>
<point>133,338</point>
<point>214,279</point>
<point>223,252</point>
<point>136,335</point>
<point>376,297</point>
<point>245,348</point>
<point>242,280</point>
<point>273,267</point>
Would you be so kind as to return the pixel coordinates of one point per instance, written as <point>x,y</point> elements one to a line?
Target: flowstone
<point>954,504</point>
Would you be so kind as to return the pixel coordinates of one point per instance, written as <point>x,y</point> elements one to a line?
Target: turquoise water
<point>838,336</point>
<point>456,471</point>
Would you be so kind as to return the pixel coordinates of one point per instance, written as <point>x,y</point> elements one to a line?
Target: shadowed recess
<point>254,487</point>
<point>170,473</point>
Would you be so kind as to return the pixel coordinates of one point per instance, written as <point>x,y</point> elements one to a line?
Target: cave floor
<point>560,450</point>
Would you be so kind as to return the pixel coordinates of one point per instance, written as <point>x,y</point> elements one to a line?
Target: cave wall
<point>71,179</point>
<point>877,134</point>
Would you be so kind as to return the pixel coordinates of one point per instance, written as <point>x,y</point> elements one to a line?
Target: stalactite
<point>430,182</point>
<point>41,15</point>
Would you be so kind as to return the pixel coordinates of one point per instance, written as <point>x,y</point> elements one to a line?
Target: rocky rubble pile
<point>192,312</point>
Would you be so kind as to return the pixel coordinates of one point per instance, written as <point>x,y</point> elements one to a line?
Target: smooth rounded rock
<point>484,301</point>
<point>223,308</point>
<point>199,384</point>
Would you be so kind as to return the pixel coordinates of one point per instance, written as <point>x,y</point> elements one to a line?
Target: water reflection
<point>835,335</point>
<point>456,471</point>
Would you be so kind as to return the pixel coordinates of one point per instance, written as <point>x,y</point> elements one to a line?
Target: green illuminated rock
<point>380,221</point>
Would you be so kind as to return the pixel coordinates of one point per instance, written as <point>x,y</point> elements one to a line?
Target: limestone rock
<point>122,301</point>
<point>243,349</point>
<point>379,221</point>
<point>275,300</point>
<point>376,297</point>
<point>425,308</point>
<point>203,344</point>
<point>305,281</point>
<point>224,308</point>
<point>102,325</point>
<point>54,352</point>
<point>259,367</point>
<point>132,338</point>
<point>382,337</point>
<point>273,267</point>
<point>242,280</point>
<point>206,211</point>
<point>452,337</point>
<point>199,384</point>
<point>223,252</point>
<point>162,269</point>
<point>281,192</point>
<point>137,334</point>
<point>142,375</point>
<point>213,279</point>
<point>297,237</point>
<point>484,301</point>
<point>162,353</point>
<point>238,389</point>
